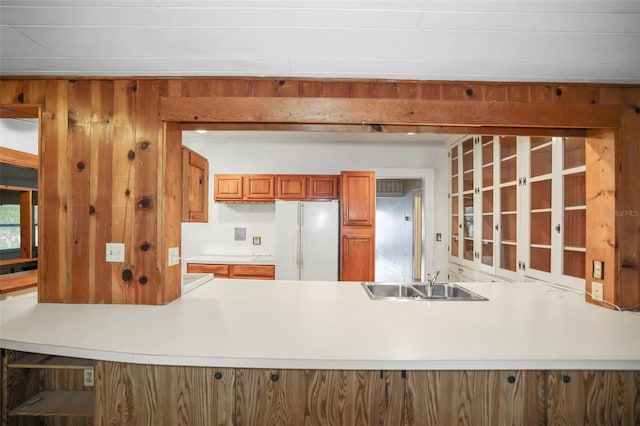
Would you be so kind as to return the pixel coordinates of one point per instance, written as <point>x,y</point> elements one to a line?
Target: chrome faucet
<point>431,280</point>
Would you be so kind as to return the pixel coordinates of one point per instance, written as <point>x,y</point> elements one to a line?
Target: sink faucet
<point>431,280</point>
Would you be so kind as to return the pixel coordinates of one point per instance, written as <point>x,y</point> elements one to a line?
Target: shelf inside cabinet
<point>57,403</point>
<point>50,361</point>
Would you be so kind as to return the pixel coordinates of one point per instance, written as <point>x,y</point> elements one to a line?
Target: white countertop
<point>317,325</point>
<point>236,259</point>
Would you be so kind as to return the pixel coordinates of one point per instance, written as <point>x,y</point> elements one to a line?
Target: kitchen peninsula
<point>268,350</point>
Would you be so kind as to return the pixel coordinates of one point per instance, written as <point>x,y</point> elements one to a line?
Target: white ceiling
<point>517,40</point>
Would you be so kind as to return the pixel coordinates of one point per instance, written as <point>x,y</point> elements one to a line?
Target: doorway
<point>405,218</point>
<point>398,230</point>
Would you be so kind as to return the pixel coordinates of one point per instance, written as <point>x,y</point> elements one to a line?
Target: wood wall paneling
<point>627,242</point>
<point>170,208</point>
<point>100,189</point>
<point>74,125</point>
<point>600,156</point>
<point>145,269</point>
<point>78,186</point>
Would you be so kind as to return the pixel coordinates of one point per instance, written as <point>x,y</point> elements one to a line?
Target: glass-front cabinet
<point>526,196</point>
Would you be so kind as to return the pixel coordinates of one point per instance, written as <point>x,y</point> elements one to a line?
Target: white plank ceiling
<point>518,40</point>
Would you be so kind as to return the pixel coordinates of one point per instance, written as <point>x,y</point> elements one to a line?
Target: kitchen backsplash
<point>218,236</point>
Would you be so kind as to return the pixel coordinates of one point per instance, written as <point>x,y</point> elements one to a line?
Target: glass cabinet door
<point>486,200</point>
<point>540,202</point>
<point>574,211</point>
<point>508,203</point>
<point>455,200</point>
<point>467,199</point>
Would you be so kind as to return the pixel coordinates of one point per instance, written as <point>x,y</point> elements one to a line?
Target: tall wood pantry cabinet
<point>357,231</point>
<point>518,209</point>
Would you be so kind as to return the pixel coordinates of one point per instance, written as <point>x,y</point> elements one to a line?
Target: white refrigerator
<point>307,239</point>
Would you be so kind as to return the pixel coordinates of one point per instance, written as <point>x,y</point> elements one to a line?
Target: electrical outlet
<point>597,291</point>
<point>88,377</point>
<point>115,252</point>
<point>257,241</point>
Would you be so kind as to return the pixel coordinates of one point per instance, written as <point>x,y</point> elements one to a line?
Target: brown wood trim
<point>20,111</point>
<point>18,281</point>
<point>387,128</point>
<point>19,158</point>
<point>387,111</point>
<point>17,260</point>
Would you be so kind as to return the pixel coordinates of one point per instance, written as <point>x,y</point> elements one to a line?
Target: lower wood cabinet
<point>143,394</point>
<point>252,272</point>
<point>46,389</point>
<point>165,395</point>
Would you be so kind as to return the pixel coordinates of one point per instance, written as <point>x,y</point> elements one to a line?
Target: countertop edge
<point>318,364</point>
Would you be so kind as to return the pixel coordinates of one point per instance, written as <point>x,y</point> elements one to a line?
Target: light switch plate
<point>174,256</point>
<point>115,252</point>
<point>598,269</point>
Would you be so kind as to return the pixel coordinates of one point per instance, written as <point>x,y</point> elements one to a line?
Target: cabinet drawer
<point>264,272</point>
<point>218,271</point>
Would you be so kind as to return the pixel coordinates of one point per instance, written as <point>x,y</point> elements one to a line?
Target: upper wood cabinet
<point>323,187</point>
<point>358,198</point>
<point>291,187</point>
<point>261,188</point>
<point>195,186</point>
<point>244,187</point>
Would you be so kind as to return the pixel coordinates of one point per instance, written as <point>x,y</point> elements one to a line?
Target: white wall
<point>243,152</point>
<point>20,135</point>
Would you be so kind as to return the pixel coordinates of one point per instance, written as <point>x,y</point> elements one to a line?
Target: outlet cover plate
<point>597,291</point>
<point>115,252</point>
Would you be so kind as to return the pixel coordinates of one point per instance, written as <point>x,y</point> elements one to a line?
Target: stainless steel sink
<point>418,291</point>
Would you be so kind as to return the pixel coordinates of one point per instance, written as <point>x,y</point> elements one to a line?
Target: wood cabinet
<point>518,207</point>
<point>244,188</point>
<point>195,187</point>
<point>323,187</point>
<point>357,233</point>
<point>291,187</point>
<point>168,395</point>
<point>36,385</point>
<point>261,188</point>
<point>228,187</point>
<point>250,272</point>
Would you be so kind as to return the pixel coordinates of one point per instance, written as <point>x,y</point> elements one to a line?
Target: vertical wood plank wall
<point>104,168</point>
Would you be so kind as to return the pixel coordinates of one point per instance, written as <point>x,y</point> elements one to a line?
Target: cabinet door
<point>358,198</point>
<point>357,259</point>
<point>474,397</point>
<point>593,397</point>
<point>195,186</point>
<point>259,187</point>
<point>507,209</point>
<point>323,187</point>
<point>555,228</point>
<point>228,187</point>
<point>291,187</point>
